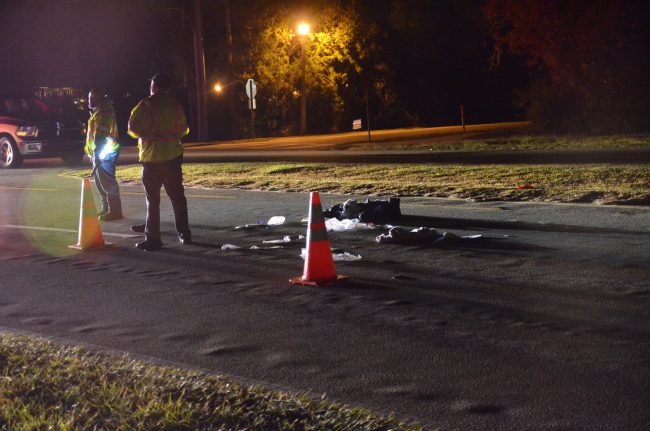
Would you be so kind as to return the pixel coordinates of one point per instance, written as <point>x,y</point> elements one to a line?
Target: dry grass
<point>618,184</point>
<point>49,386</point>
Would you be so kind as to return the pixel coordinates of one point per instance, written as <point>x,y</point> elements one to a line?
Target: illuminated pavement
<point>543,324</point>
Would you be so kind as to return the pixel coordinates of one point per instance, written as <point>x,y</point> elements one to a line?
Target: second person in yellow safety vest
<point>103,150</point>
<point>159,123</point>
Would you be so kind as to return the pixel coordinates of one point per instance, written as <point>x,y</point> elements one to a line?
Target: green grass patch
<point>44,385</point>
<point>510,142</point>
<point>605,184</point>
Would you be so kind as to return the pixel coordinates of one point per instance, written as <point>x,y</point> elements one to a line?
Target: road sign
<point>356,124</point>
<point>251,88</point>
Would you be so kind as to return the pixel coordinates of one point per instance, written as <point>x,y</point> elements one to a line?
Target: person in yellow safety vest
<point>159,123</point>
<point>103,150</point>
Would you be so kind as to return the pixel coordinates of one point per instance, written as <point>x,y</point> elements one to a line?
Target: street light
<point>303,30</point>
<point>219,87</point>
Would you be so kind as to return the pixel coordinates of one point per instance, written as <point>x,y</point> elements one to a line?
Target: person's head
<point>160,83</point>
<point>96,97</point>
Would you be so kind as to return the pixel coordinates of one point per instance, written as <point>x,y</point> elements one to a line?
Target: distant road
<point>359,140</point>
<point>353,147</point>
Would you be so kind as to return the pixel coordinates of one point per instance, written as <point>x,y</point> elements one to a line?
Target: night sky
<point>436,53</point>
<point>115,44</point>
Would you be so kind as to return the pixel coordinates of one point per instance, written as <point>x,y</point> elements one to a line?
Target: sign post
<point>462,117</point>
<point>367,115</point>
<point>251,91</point>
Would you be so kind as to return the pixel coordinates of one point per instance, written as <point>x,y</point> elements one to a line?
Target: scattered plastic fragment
<point>229,247</point>
<point>272,247</point>
<point>252,226</point>
<point>285,239</point>
<point>335,225</point>
<point>346,257</point>
<point>337,255</point>
<point>273,221</point>
<point>276,221</point>
<point>525,186</point>
<point>399,235</point>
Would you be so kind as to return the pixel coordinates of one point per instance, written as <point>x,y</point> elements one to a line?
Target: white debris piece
<point>284,240</point>
<point>337,257</point>
<point>276,221</point>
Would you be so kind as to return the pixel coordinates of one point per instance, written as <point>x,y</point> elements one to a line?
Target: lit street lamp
<point>303,30</point>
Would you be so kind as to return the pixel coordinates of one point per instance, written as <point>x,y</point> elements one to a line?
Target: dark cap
<point>162,80</point>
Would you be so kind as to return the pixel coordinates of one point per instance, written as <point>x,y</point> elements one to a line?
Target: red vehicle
<point>29,128</point>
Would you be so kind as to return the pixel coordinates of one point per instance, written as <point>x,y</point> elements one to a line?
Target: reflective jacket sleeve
<point>182,122</point>
<point>139,121</point>
<point>89,148</point>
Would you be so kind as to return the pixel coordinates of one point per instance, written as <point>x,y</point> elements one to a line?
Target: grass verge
<point>509,142</point>
<point>603,184</point>
<point>44,385</point>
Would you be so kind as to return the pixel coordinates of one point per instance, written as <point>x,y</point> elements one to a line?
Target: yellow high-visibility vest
<point>102,130</point>
<point>159,123</point>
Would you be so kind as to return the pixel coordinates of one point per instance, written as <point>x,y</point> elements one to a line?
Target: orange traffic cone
<point>90,232</point>
<point>319,264</point>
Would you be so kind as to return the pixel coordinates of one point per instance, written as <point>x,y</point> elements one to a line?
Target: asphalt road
<point>214,154</point>
<point>541,324</point>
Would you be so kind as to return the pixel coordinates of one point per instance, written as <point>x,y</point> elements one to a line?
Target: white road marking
<point>56,229</point>
<point>28,188</point>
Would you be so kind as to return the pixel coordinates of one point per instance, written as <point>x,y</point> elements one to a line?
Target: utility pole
<point>303,89</point>
<point>199,73</point>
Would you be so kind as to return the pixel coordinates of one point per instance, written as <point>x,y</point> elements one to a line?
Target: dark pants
<point>170,175</point>
<point>106,183</point>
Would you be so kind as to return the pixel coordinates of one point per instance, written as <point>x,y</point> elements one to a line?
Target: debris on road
<point>337,255</point>
<point>400,235</point>
<point>276,221</point>
<point>273,221</point>
<point>285,239</point>
<point>335,225</point>
<point>227,247</point>
<point>378,212</point>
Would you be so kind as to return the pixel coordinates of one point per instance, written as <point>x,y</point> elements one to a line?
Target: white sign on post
<point>356,124</point>
<point>251,89</point>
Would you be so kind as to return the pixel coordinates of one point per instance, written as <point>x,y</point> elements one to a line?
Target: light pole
<point>199,69</point>
<point>303,31</point>
<point>200,96</point>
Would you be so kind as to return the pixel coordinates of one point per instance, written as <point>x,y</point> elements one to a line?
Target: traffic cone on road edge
<point>319,264</point>
<point>90,232</point>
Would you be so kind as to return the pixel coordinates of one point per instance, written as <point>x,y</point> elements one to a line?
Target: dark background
<point>570,66</point>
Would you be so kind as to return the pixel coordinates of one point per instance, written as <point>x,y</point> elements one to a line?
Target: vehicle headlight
<point>27,131</point>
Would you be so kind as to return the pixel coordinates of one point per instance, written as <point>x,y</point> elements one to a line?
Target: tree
<point>590,57</point>
<point>329,59</point>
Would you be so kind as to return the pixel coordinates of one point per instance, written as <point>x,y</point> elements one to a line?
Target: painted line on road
<point>451,207</point>
<point>187,195</point>
<point>28,188</point>
<point>56,229</point>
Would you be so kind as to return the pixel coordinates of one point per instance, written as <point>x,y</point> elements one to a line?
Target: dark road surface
<point>542,324</point>
<point>198,154</point>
